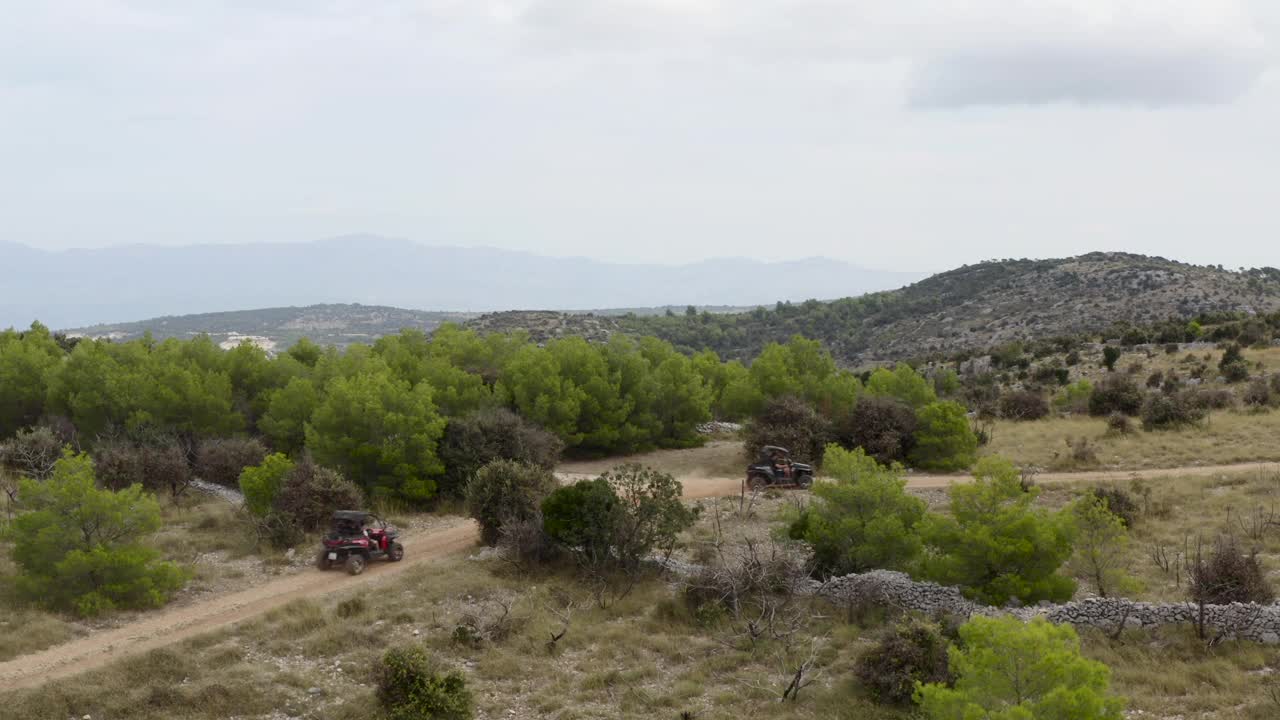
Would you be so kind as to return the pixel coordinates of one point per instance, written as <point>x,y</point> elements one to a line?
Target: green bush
<point>1074,398</point>
<point>996,544</point>
<point>582,517</point>
<point>944,438</point>
<point>618,518</point>
<point>1233,366</point>
<point>262,482</point>
<point>473,441</point>
<point>1110,354</point>
<point>911,652</point>
<point>1118,502</point>
<point>882,426</point>
<point>411,687</point>
<point>79,547</point>
<point>1006,669</point>
<point>863,520</point>
<point>506,491</point>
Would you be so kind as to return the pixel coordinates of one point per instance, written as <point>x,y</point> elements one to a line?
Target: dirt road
<point>170,626</point>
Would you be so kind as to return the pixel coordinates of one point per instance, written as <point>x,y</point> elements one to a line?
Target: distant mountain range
<point>83,287</point>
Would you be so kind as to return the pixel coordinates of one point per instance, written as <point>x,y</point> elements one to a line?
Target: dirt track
<point>170,626</point>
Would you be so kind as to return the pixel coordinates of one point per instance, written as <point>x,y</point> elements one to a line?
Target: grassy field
<point>1225,437</point>
<point>645,655</point>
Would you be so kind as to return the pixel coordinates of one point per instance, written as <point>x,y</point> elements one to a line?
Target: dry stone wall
<point>1242,621</point>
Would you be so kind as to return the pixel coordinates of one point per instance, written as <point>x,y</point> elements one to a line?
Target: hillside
<point>978,306</point>
<point>276,328</point>
<point>76,288</point>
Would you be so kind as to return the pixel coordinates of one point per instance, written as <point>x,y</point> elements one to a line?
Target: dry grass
<point>1224,438</point>
<point>1176,512</point>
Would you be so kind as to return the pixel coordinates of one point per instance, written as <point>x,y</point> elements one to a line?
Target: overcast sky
<point>897,134</point>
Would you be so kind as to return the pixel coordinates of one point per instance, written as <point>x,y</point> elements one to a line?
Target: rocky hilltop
<point>977,306</point>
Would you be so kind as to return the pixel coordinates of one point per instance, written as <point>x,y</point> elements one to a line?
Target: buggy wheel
<point>757,482</point>
<point>804,481</point>
<point>395,553</point>
<point>322,560</point>
<point>355,563</point>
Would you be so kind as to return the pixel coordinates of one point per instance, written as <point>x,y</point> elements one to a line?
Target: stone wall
<point>1243,621</point>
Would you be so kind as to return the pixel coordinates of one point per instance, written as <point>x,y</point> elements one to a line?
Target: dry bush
<point>1228,575</point>
<point>791,423</point>
<point>32,452</point>
<point>1023,405</point>
<point>309,493</point>
<point>911,652</point>
<point>161,466</point>
<point>221,460</point>
<point>882,426</point>
<point>1119,424</point>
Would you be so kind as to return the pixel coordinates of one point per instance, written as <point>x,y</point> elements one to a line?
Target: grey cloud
<point>1085,75</point>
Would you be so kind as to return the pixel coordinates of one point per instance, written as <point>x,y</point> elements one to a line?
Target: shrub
<point>882,426</point>
<point>1118,503</point>
<point>160,467</point>
<point>1116,393</point>
<point>944,438</point>
<point>1110,354</point>
<point>1118,424</point>
<point>791,423</point>
<point>1101,545</point>
<point>1210,398</point>
<point>79,547</point>
<point>1074,398</point>
<point>506,491</point>
<point>1229,575</point>
<point>309,494</point>
<point>261,483</point>
<point>1023,405</point>
<point>863,520</point>
<point>996,544</point>
<point>1162,412</point>
<point>1233,366</point>
<point>221,460</point>
<point>473,441</point>
<point>1155,379</point>
<point>411,687</point>
<point>1006,669</point>
<point>618,518</point>
<point>32,452</point>
<point>526,542</point>
<point>909,653</point>
<point>581,517</point>
<point>1258,394</point>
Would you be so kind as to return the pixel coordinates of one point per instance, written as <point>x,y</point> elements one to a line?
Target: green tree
<point>25,362</point>
<point>1102,545</point>
<point>1008,670</point>
<point>79,548</point>
<point>996,544</point>
<point>902,383</point>
<point>943,438</point>
<point>863,520</point>
<point>380,433</point>
<point>287,411</point>
<point>261,483</point>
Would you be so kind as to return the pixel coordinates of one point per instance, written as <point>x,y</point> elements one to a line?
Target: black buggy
<point>775,468</point>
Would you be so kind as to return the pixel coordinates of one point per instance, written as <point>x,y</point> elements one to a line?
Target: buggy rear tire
<point>322,560</point>
<point>355,563</point>
<point>757,482</point>
<point>804,481</point>
<point>395,553</point>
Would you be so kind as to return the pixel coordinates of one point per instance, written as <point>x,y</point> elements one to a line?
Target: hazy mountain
<point>82,287</point>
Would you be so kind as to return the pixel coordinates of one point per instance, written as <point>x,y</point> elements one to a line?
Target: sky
<point>908,135</point>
